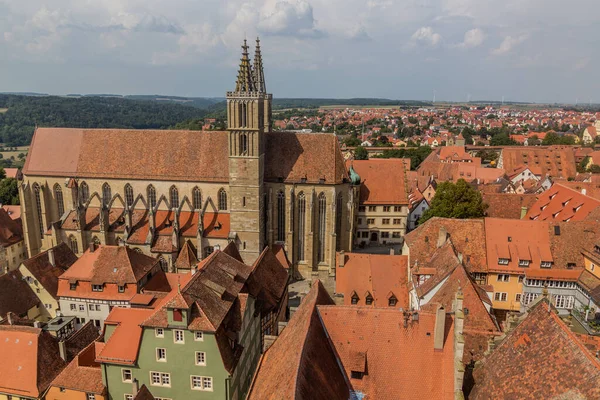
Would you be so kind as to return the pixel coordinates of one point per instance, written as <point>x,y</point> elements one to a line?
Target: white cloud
<point>290,18</point>
<point>473,38</point>
<point>508,44</point>
<point>426,35</point>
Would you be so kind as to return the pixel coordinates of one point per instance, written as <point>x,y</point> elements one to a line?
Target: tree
<point>502,139</point>
<point>582,166</point>
<point>360,153</point>
<point>455,200</point>
<point>9,191</point>
<point>352,141</point>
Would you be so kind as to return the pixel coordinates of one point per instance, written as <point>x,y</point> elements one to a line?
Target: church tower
<point>247,121</point>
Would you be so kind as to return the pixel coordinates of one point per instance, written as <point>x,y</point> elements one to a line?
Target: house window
<point>397,221</point>
<point>73,244</point>
<point>518,297</point>
<point>151,191</point>
<point>546,264</point>
<point>322,219</point>
<point>196,198</point>
<point>178,336</point>
<point>84,192</point>
<point>385,221</point>
<point>301,225</point>
<point>503,278</point>
<point>73,307</point>
<point>73,286</point>
<point>97,288</point>
<point>361,208</point>
<point>159,332</point>
<point>128,195</point>
<point>503,261</point>
<point>177,315</point>
<point>528,298</point>
<point>500,296</point>
<point>385,235</point>
<point>81,307</point>
<point>563,301</point>
<point>121,289</point>
<point>392,301</point>
<point>198,336</point>
<point>354,299</point>
<point>90,396</point>
<point>521,277</point>
<point>200,358</point>
<point>160,378</point>
<point>161,354</point>
<point>523,263</point>
<point>126,375</point>
<point>372,208</point>
<point>128,397</point>
<point>386,208</point>
<point>202,383</point>
<point>174,194</point>
<point>369,300</point>
<point>91,307</point>
<point>396,235</point>
<point>397,208</point>
<point>281,216</point>
<point>222,199</point>
<point>60,204</point>
<point>370,221</point>
<point>359,221</point>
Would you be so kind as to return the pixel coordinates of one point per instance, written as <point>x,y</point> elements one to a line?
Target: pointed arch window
<point>222,199</point>
<point>338,221</point>
<point>197,198</point>
<point>322,219</point>
<point>106,194</point>
<point>174,195</point>
<point>243,144</point>
<point>60,203</point>
<point>84,192</point>
<point>128,195</point>
<point>151,196</point>
<point>38,205</point>
<point>301,225</point>
<point>73,244</point>
<point>281,216</point>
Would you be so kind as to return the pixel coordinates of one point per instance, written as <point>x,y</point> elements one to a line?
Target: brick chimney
<point>51,258</point>
<point>439,329</point>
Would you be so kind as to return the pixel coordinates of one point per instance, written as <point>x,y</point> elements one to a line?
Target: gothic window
<point>38,205</point>
<point>222,199</point>
<point>151,196</point>
<point>106,194</point>
<point>60,204</point>
<point>322,227</point>
<point>128,195</point>
<point>301,224</point>
<point>281,216</point>
<point>73,244</point>
<point>164,265</point>
<point>243,144</point>
<point>174,194</point>
<point>197,198</point>
<point>338,221</point>
<point>84,192</point>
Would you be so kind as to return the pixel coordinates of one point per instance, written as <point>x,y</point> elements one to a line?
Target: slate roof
<point>174,155</point>
<point>30,360</point>
<point>47,274</point>
<point>16,295</point>
<point>381,276</point>
<point>540,359</point>
<point>301,363</point>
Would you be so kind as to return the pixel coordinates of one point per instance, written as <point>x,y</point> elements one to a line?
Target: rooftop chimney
<point>51,257</point>
<point>440,327</point>
<point>392,251</point>
<point>341,259</point>
<point>442,237</point>
<point>62,349</point>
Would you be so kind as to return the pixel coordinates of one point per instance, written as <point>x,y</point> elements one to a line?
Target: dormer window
<point>392,301</point>
<point>97,288</point>
<point>503,261</point>
<point>597,249</point>
<point>73,286</point>
<point>369,300</point>
<point>177,315</point>
<point>524,263</point>
<point>121,288</point>
<point>354,299</point>
<point>546,264</point>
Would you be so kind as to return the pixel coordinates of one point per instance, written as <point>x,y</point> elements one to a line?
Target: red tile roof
<point>401,362</point>
<point>11,231</point>
<point>554,161</point>
<point>383,181</point>
<point>507,205</point>
<point>381,276</point>
<point>561,203</point>
<point>16,295</point>
<point>47,274</point>
<point>540,359</point>
<point>83,373</point>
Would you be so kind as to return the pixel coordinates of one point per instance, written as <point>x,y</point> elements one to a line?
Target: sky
<point>519,50</point>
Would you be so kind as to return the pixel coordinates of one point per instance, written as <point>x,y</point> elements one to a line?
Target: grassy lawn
<point>20,149</point>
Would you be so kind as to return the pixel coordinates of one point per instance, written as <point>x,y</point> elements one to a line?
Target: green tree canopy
<point>360,153</point>
<point>502,139</point>
<point>455,200</point>
<point>9,191</point>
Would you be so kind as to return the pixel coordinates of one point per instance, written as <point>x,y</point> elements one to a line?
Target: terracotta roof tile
<point>83,373</point>
<point>11,231</point>
<point>47,274</point>
<point>383,181</point>
<point>508,205</point>
<point>123,345</point>
<point>16,295</point>
<point>561,203</point>
<point>554,161</point>
<point>187,259</point>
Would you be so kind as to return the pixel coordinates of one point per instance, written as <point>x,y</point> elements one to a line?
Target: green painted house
<point>204,338</point>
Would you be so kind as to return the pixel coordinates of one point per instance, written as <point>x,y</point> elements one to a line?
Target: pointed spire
<point>259,75</point>
<point>245,80</point>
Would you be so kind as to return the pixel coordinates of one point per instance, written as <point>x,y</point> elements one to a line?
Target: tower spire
<point>259,75</point>
<point>245,80</point>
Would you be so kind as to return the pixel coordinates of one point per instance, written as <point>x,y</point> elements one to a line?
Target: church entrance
<point>374,236</point>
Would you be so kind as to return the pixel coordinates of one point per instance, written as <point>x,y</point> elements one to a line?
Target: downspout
<point>228,388</point>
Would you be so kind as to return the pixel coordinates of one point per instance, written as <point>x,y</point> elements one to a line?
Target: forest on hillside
<point>20,114</point>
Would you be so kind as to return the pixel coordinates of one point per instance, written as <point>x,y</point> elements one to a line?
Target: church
<point>171,192</point>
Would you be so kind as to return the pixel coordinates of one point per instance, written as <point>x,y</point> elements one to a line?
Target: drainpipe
<point>227,388</point>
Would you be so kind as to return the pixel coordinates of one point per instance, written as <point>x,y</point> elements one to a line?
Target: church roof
<point>175,155</point>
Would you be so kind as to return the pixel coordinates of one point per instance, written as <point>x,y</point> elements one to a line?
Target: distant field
<point>351,106</point>
<point>3,110</point>
<point>20,149</point>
